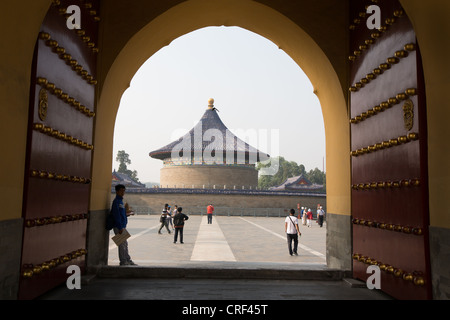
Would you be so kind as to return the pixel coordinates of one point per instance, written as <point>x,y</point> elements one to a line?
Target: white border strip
<point>211,244</point>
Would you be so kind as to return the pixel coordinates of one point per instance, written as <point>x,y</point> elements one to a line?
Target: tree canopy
<point>287,169</point>
<point>124,159</point>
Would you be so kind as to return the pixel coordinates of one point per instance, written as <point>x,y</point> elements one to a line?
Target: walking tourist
<point>320,214</point>
<point>163,219</point>
<point>292,232</point>
<point>309,217</point>
<point>178,221</point>
<point>169,217</point>
<point>304,216</point>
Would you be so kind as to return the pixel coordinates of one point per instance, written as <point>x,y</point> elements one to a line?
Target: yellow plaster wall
<point>432,25</point>
<point>20,22</point>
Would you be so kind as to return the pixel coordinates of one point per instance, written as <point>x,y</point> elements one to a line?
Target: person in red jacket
<point>209,212</point>
<point>309,216</point>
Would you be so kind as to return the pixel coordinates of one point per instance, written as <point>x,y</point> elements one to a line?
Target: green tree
<point>281,169</point>
<point>317,176</point>
<point>124,160</point>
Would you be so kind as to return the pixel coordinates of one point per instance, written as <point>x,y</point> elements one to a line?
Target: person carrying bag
<point>292,232</point>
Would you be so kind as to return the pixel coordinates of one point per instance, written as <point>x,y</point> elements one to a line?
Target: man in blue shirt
<point>120,223</point>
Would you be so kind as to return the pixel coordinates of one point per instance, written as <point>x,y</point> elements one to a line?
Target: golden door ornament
<point>43,104</point>
<point>408,114</point>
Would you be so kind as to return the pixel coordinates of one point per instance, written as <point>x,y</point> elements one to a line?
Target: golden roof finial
<point>211,103</point>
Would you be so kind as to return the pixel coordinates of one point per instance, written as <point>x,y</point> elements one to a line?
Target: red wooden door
<point>60,137</point>
<point>389,156</point>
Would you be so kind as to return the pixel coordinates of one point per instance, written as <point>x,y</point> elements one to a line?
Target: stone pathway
<point>227,239</point>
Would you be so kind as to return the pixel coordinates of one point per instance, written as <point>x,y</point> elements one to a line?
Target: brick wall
<point>197,203</point>
<point>208,176</point>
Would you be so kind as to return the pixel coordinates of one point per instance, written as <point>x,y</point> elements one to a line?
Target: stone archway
<point>258,18</point>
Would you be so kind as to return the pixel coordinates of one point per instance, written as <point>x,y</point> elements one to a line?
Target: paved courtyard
<point>227,239</point>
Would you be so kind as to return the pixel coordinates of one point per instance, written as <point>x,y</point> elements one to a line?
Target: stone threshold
<point>224,270</point>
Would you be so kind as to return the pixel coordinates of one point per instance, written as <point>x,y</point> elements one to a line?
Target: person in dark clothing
<point>178,222</point>
<point>320,214</point>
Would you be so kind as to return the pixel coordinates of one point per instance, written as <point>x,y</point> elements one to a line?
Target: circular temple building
<point>209,156</point>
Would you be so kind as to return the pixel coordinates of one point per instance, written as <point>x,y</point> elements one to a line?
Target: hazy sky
<point>255,85</point>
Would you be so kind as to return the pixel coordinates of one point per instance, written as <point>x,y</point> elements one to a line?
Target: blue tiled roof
<point>211,120</point>
<point>122,178</point>
<point>297,183</point>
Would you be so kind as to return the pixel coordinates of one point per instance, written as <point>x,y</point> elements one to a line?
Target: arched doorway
<point>112,81</point>
<point>435,78</point>
<point>257,87</point>
<point>270,24</point>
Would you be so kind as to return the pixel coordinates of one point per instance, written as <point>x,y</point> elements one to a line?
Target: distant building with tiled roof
<point>122,178</point>
<point>299,183</point>
<point>209,156</point>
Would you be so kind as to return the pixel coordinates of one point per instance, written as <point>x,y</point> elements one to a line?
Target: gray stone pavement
<point>251,239</point>
<point>255,265</point>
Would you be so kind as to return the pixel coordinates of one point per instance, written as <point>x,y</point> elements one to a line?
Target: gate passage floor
<point>233,243</point>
